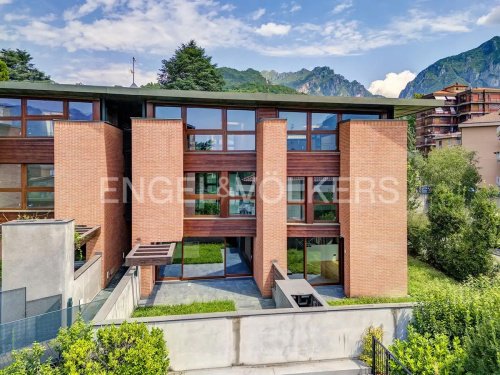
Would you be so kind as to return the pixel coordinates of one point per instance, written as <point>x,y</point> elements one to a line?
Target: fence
<point>384,362</point>
<point>12,305</point>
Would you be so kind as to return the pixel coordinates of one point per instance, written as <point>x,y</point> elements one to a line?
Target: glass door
<point>239,253</point>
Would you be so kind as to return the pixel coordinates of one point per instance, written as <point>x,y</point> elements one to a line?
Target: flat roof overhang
<point>401,107</point>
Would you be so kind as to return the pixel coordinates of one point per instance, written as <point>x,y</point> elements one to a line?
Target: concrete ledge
<point>87,265</point>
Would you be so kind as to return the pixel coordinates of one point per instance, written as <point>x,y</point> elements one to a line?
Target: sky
<point>382,44</point>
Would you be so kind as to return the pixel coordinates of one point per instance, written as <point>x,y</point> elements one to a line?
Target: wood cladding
<point>313,230</point>
<point>306,164</point>
<point>223,162</point>
<point>220,227</point>
<point>263,113</point>
<point>26,150</point>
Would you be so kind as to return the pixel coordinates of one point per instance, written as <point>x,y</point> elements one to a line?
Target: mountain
<point>479,67</point>
<point>319,81</point>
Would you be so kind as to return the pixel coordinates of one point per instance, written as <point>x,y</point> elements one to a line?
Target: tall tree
<point>190,69</point>
<point>20,66</point>
<point>4,71</point>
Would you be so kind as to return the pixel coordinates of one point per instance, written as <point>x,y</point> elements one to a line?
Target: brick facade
<point>157,179</point>
<point>88,164</point>
<point>373,224</point>
<point>270,243</point>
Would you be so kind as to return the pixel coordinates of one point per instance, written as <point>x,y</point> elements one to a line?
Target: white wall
<point>87,280</point>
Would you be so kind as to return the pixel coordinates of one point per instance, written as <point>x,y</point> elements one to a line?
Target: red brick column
<point>157,180</point>
<point>88,163</point>
<point>373,207</point>
<point>271,237</point>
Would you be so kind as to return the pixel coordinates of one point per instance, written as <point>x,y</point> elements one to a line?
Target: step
<point>329,367</point>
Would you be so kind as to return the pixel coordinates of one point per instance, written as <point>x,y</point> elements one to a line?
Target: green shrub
<point>370,332</point>
<point>427,355</point>
<point>418,229</point>
<point>482,346</point>
<point>29,362</point>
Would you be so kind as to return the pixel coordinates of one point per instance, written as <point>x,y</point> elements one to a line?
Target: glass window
<point>173,270</point>
<point>295,212</point>
<point>45,107</point>
<point>202,183</point>
<point>10,128</point>
<point>325,212</point>
<point>10,199</point>
<point>323,142</point>
<point>207,207</point>
<point>240,120</point>
<point>239,255</point>
<point>295,258</point>
<point>296,121</point>
<point>41,175</point>
<point>203,257</point>
<point>203,142</point>
<point>359,116</point>
<point>296,189</point>
<point>241,142</point>
<point>297,142</point>
<point>242,207</point>
<point>82,111</point>
<point>10,107</point>
<point>323,262</point>
<point>323,121</point>
<point>10,175</point>
<point>204,118</point>
<point>325,189</point>
<point>168,112</point>
<point>241,184</point>
<point>42,199</point>
<point>40,128</point>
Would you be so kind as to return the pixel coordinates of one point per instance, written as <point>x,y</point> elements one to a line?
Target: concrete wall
<point>39,255</point>
<point>483,140</point>
<point>274,336</point>
<point>87,280</point>
<point>124,299</point>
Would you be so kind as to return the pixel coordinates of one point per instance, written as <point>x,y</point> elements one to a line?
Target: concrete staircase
<point>333,367</point>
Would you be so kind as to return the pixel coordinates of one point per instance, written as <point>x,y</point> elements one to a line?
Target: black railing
<point>384,362</point>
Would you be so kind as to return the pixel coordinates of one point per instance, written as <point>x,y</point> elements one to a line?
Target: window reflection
<point>81,111</point>
<point>243,142</point>
<point>40,128</point>
<point>10,175</point>
<point>323,142</point>
<point>296,142</point>
<point>359,116</point>
<point>10,128</point>
<point>242,184</point>
<point>41,175</point>
<point>240,120</point>
<point>323,121</point>
<point>10,107</point>
<point>168,112</point>
<point>296,121</point>
<point>204,142</point>
<point>45,107</point>
<point>204,118</point>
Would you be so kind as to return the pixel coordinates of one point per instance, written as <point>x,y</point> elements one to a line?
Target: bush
<point>366,354</point>
<point>418,230</point>
<point>29,362</point>
<point>482,346</point>
<point>427,355</point>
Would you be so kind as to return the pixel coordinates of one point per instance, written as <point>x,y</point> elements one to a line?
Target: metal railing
<point>384,362</point>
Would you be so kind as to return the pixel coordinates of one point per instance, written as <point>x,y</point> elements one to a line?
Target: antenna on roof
<point>133,85</point>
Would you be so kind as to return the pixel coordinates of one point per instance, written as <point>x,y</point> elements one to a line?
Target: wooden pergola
<point>151,255</point>
<point>86,232</point>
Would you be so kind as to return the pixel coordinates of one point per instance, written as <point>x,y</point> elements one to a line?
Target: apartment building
<point>192,185</point>
<point>438,127</point>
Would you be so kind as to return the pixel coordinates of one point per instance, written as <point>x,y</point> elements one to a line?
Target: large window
<point>219,194</point>
<point>317,259</point>
<point>312,199</point>
<point>34,117</point>
<point>214,129</point>
<point>26,186</point>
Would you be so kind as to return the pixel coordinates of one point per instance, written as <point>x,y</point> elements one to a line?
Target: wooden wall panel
<point>25,150</point>
<point>313,164</point>
<point>231,227</point>
<point>220,162</point>
<point>313,230</point>
<point>263,113</point>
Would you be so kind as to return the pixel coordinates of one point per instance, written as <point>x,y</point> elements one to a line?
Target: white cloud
<point>258,14</point>
<point>342,6</point>
<point>271,29</point>
<point>5,2</point>
<point>392,84</point>
<point>295,8</point>
<point>492,18</point>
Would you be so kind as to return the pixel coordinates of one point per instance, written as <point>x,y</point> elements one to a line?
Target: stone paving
<point>330,292</point>
<point>243,291</point>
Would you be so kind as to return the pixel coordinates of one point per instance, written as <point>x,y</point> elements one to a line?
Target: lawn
<point>203,253</point>
<point>422,280</point>
<point>296,262</point>
<point>192,308</point>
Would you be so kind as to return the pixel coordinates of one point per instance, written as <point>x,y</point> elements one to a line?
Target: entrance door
<point>239,252</point>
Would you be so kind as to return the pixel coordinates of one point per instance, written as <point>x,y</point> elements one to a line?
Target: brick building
<point>438,127</point>
<point>205,185</point>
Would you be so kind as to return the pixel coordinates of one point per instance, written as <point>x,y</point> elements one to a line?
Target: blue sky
<point>380,43</point>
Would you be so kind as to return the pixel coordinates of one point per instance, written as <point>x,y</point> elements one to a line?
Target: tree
<point>190,69</point>
<point>20,66</point>
<point>453,167</point>
<point>4,71</point>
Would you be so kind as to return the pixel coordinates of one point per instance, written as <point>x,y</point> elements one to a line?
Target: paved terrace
<point>243,291</point>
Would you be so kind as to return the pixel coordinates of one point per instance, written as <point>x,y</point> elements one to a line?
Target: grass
<point>192,308</point>
<point>296,262</point>
<point>422,280</point>
<point>203,253</point>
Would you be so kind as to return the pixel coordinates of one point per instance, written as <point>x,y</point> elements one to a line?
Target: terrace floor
<point>243,291</point>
